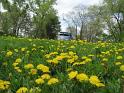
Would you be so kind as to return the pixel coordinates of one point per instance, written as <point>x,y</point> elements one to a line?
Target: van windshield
<point>64,34</point>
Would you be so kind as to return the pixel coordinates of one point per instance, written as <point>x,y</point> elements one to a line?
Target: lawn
<point>52,66</point>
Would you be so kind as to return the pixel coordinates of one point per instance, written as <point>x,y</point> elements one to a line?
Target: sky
<point>64,6</point>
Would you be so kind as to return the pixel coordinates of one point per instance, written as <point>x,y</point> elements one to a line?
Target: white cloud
<point>64,6</point>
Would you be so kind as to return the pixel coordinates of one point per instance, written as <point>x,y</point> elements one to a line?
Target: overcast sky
<point>64,6</point>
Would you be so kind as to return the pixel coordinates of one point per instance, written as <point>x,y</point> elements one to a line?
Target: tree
<point>115,18</point>
<point>32,18</point>
<point>87,20</point>
<point>71,20</point>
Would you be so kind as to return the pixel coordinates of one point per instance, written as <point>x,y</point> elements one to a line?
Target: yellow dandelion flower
<point>59,58</point>
<point>23,49</point>
<point>35,90</point>
<point>105,59</point>
<point>16,50</point>
<point>28,66</point>
<point>22,90</point>
<point>45,76</point>
<point>18,60</point>
<point>72,74</point>
<point>71,60</point>
<point>88,60</point>
<point>15,64</point>
<point>100,84</point>
<point>122,67</point>
<point>39,81</point>
<point>33,71</point>
<point>82,77</point>
<point>9,53</point>
<point>43,68</point>
<point>119,57</point>
<point>84,57</point>
<point>34,49</point>
<point>53,81</point>
<point>94,80</point>
<point>18,69</point>
<point>4,84</point>
<point>118,63</point>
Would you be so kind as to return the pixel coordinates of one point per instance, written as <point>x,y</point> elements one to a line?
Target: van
<point>64,36</point>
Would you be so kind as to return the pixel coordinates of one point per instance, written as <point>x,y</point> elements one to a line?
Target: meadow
<point>53,66</point>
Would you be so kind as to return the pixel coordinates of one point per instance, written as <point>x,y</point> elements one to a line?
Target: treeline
<point>97,22</point>
<point>29,18</point>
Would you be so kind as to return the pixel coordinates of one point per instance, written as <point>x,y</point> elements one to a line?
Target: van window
<point>64,35</point>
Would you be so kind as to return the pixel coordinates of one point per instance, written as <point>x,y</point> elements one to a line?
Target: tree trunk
<point>81,32</point>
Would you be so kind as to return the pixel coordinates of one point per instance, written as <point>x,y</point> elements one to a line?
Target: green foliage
<point>30,18</point>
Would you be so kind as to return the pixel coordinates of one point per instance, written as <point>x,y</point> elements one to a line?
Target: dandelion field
<point>51,66</point>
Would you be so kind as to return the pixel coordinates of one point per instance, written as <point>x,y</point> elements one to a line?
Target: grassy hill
<point>51,66</point>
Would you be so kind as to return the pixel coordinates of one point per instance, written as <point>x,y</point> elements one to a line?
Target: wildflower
<point>72,46</point>
<point>4,85</point>
<point>84,57</point>
<point>53,81</point>
<point>71,53</point>
<point>122,76</point>
<point>28,66</point>
<point>35,90</point>
<point>95,81</point>
<point>119,57</point>
<point>102,64</point>
<point>82,63</point>
<point>16,50</point>
<point>34,49</point>
<point>82,77</point>
<point>34,45</point>
<point>18,60</point>
<point>45,76</point>
<point>15,64</point>
<point>47,56</point>
<point>76,63</point>
<point>72,74</point>
<point>22,90</point>
<point>33,71</point>
<point>59,57</point>
<point>122,67</point>
<point>43,68</point>
<point>17,69</point>
<point>23,49</point>
<point>9,53</point>
<point>53,53</point>
<point>39,81</point>
<point>91,55</point>
<point>118,63</point>
<point>100,85</point>
<point>105,59</point>
<point>54,61</point>
<point>30,40</point>
<point>88,60</point>
<point>75,57</point>
<point>71,60</point>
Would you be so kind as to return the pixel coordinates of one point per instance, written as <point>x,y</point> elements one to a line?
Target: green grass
<point>35,53</point>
